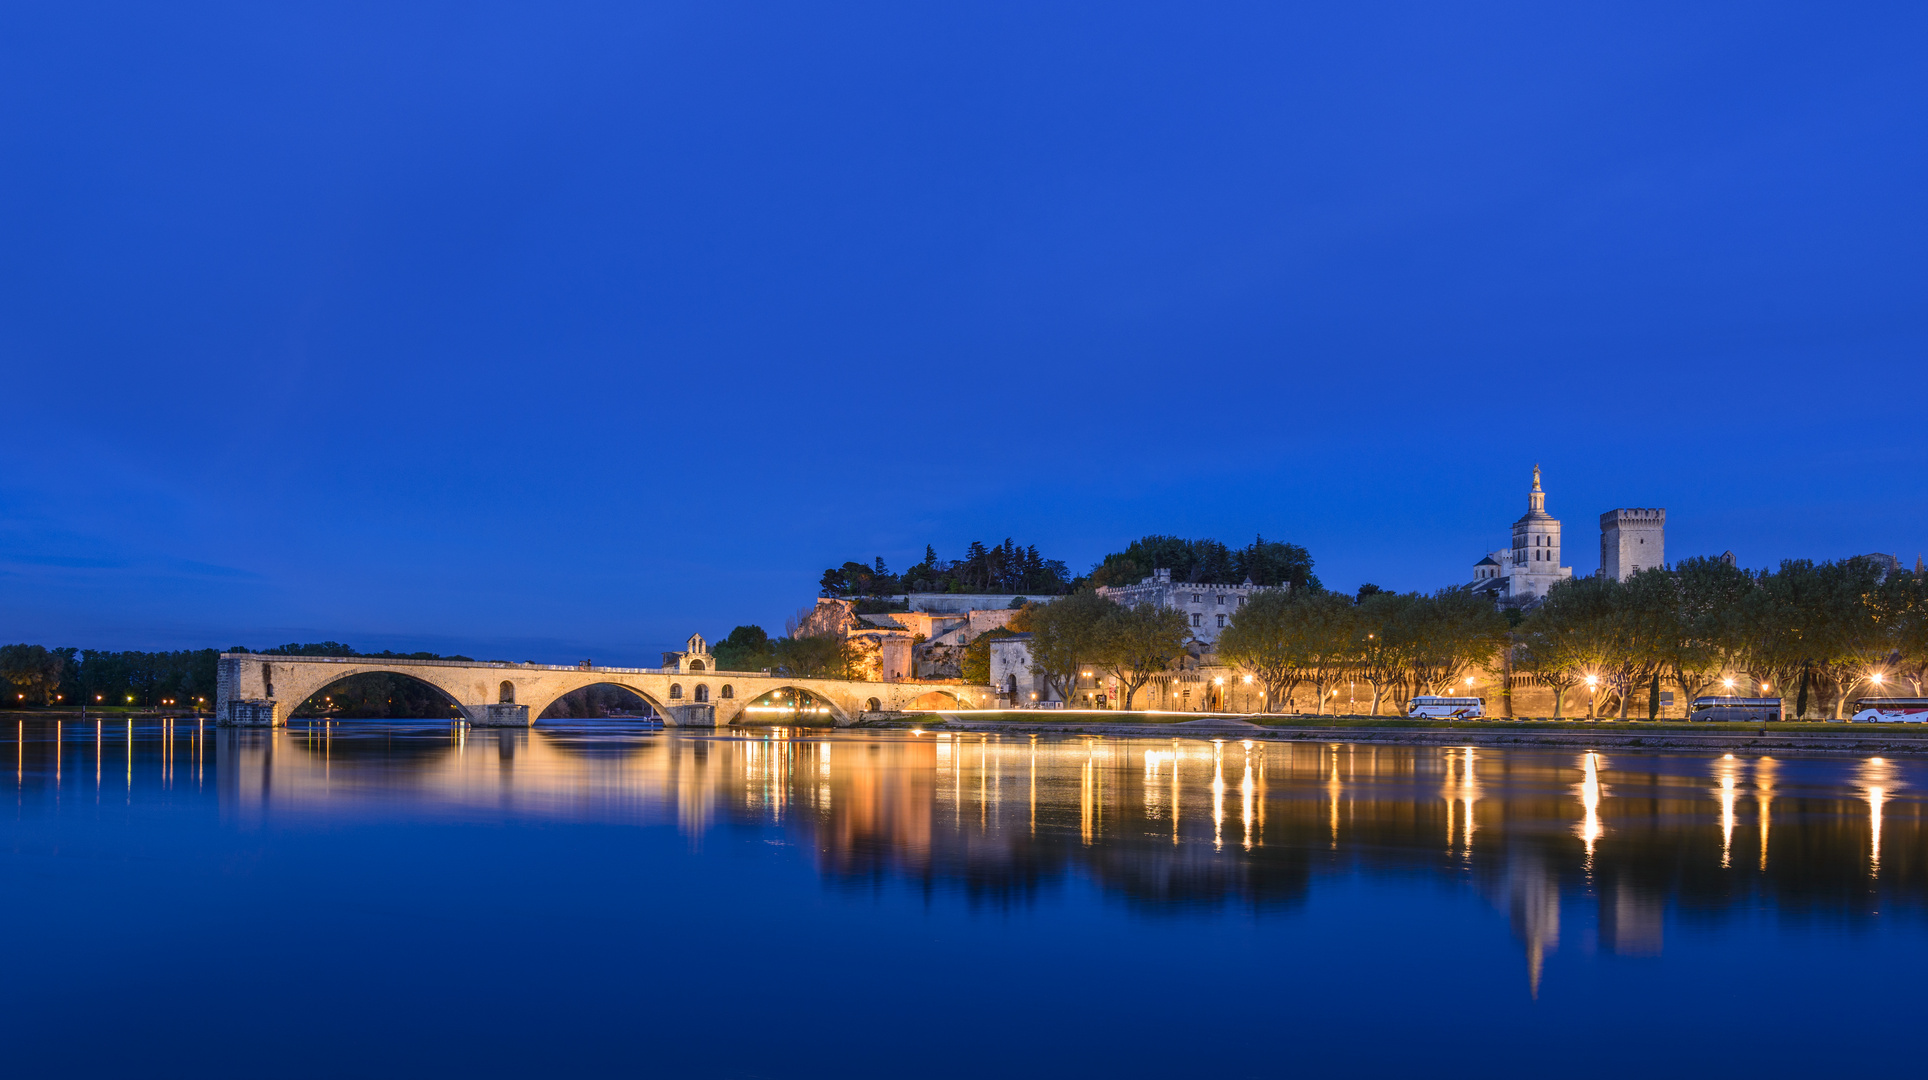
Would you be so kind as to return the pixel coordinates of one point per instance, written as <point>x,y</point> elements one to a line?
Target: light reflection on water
<point>1618,852</point>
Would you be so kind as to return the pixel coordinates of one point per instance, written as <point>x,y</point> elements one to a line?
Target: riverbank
<point>1898,739</point>
<point>105,712</point>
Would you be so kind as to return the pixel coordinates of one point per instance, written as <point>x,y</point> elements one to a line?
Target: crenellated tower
<point>1632,539</point>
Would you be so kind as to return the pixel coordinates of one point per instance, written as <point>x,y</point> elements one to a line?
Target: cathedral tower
<point>1536,549</point>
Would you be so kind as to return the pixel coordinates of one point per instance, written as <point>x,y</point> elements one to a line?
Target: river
<point>384,898</point>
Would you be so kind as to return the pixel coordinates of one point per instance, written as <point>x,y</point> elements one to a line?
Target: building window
<point>1221,620</point>
<point>1198,598</point>
<point>675,691</point>
<point>1221,599</point>
<point>702,692</point>
<point>1196,619</point>
<point>729,693</point>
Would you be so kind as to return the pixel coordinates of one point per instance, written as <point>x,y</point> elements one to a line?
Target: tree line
<point>1821,634</point>
<point>186,678</point>
<point>998,568</point>
<point>1267,563</point>
<point>1398,644</point>
<point>1086,632</point>
<point>37,676</point>
<point>1013,569</point>
<point>1818,635</point>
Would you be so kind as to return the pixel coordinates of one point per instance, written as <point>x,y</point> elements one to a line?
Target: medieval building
<point>1525,573</point>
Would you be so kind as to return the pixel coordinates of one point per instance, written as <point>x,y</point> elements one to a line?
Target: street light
<point>1875,678</point>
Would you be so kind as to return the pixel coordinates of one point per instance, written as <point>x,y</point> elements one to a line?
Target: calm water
<point>416,899</point>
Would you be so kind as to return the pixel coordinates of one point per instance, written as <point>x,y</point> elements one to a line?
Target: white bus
<point>1745,710</point>
<point>1429,707</point>
<point>1891,710</point>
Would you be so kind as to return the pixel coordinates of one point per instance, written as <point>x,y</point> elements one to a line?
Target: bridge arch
<point>935,699</point>
<point>539,706</point>
<point>792,705</point>
<point>320,698</point>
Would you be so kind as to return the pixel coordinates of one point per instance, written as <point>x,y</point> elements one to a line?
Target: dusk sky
<point>548,331</point>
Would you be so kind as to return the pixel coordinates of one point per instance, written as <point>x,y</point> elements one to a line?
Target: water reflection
<point>1161,826</point>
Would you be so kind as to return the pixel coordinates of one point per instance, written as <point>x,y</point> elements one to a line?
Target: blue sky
<point>544,331</point>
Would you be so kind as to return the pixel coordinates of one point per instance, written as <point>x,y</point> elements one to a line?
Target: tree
<point>33,671</point>
<point>1206,561</point>
<point>1862,637</point>
<point>1138,642</point>
<point>1569,635</point>
<point>746,649</point>
<point>1327,629</point>
<point>1273,565</point>
<point>1065,637</point>
<point>1450,633</point>
<point>1388,647</point>
<point>976,665</point>
<point>816,657</point>
<point>1702,641</point>
<point>1262,639</point>
<point>1905,605</point>
<point>1645,624</point>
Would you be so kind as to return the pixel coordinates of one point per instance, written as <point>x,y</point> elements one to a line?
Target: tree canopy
<point>997,568</point>
<point>1838,629</point>
<point>1208,562</point>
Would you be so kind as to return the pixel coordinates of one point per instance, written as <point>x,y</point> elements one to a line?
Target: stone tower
<point>1632,539</point>
<point>1536,549</point>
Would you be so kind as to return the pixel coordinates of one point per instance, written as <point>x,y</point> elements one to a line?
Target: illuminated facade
<point>1207,608</point>
<point>1524,573</point>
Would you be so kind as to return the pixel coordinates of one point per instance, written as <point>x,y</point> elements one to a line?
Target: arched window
<point>696,665</point>
<point>507,696</point>
<point>675,691</point>
<point>873,705</point>
<point>727,692</point>
<point>702,692</point>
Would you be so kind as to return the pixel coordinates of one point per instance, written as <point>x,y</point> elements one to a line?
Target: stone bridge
<point>261,690</point>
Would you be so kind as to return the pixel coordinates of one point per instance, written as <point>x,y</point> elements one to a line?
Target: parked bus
<point>1891,710</point>
<point>1744,710</point>
<point>1428,707</point>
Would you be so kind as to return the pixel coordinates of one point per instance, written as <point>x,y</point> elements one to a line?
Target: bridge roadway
<point>261,690</point>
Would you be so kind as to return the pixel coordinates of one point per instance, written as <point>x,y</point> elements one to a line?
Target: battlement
<point>1637,517</point>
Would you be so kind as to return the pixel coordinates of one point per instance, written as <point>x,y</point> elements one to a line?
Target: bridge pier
<point>496,715</point>
<point>235,712</point>
<point>690,716</point>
